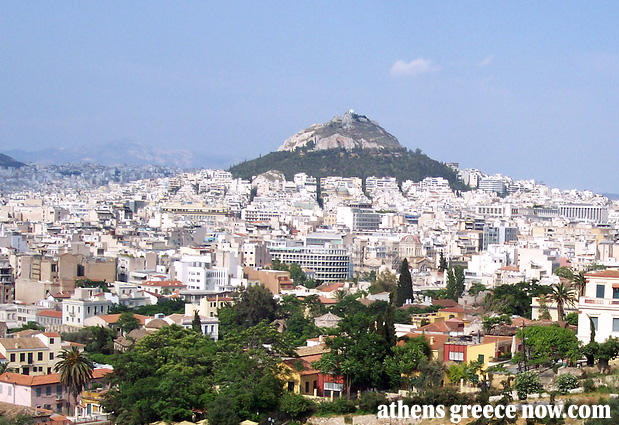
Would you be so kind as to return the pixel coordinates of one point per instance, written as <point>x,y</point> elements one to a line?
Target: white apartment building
<point>329,263</point>
<point>197,274</point>
<point>593,213</point>
<point>359,218</point>
<point>600,303</point>
<point>84,303</point>
<point>255,254</point>
<point>492,184</point>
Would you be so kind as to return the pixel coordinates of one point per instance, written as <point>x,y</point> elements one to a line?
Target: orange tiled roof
<point>50,313</point>
<point>604,273</point>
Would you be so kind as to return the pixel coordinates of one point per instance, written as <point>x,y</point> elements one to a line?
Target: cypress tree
<point>404,290</point>
<point>196,323</point>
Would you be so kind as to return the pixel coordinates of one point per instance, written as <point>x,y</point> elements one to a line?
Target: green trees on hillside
<point>402,164</point>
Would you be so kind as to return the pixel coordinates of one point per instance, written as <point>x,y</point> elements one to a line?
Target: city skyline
<point>520,90</point>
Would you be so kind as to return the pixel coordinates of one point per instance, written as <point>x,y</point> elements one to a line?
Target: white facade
<point>330,264</point>
<point>85,303</point>
<point>197,274</point>
<point>600,303</point>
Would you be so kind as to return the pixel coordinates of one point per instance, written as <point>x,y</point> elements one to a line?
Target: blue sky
<point>527,89</point>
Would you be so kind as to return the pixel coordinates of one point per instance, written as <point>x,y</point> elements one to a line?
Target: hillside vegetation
<point>402,164</point>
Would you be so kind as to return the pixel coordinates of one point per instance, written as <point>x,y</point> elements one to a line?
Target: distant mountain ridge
<point>351,145</point>
<point>123,153</point>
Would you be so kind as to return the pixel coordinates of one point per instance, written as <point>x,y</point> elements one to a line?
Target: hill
<point>349,131</point>
<point>349,146</point>
<point>6,162</point>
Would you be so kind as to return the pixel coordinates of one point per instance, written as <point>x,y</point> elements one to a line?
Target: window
<point>51,356</point>
<point>615,325</point>
<point>48,390</point>
<point>480,358</point>
<point>58,391</point>
<point>456,356</point>
<point>615,293</point>
<point>13,357</point>
<point>22,357</point>
<point>595,323</point>
<point>40,356</point>
<point>599,291</point>
<point>51,340</point>
<point>38,392</point>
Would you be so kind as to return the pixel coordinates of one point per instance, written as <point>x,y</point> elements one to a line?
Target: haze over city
<point>516,89</point>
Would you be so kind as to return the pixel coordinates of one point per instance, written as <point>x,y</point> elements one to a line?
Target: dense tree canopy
<point>547,344</point>
<point>514,299</point>
<point>251,306</point>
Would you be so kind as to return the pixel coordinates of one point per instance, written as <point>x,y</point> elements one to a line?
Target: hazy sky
<point>527,89</point>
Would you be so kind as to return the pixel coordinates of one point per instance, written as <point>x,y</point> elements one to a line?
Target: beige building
<point>32,355</point>
<point>274,280</point>
<point>208,306</point>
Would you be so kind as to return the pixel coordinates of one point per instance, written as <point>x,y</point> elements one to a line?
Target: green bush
<point>527,383</point>
<point>369,402</point>
<point>446,396</point>
<point>566,382</point>
<point>295,405</point>
<point>340,406</point>
<point>588,385</point>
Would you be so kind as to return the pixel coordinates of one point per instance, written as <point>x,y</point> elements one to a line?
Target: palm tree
<point>580,282</point>
<point>75,370</point>
<point>563,295</point>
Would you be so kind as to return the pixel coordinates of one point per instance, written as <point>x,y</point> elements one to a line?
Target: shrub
<point>295,405</point>
<point>340,406</point>
<point>527,383</point>
<point>446,396</point>
<point>566,382</point>
<point>588,385</point>
<point>369,401</point>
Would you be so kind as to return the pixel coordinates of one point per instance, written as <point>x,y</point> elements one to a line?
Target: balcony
<point>599,302</point>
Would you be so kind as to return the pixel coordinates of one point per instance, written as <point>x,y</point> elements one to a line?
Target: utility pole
<point>524,349</point>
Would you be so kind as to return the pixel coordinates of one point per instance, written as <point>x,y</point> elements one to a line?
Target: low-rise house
<point>42,391</point>
<point>209,325</point>
<point>32,355</point>
<point>162,287</point>
<point>111,320</point>
<point>300,376</point>
<point>208,305</point>
<point>465,350</point>
<point>51,320</point>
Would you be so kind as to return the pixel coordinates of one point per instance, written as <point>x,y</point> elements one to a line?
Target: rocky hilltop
<point>350,145</point>
<point>349,131</point>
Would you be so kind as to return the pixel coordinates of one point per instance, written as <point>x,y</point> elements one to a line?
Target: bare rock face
<point>349,131</point>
